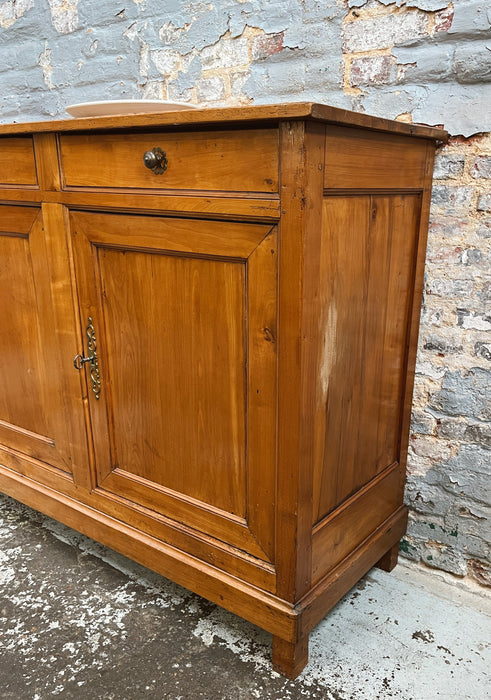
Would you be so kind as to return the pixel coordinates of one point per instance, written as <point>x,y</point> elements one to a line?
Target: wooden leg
<point>290,658</point>
<point>389,560</point>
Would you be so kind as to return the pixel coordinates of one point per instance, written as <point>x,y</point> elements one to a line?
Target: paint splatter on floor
<point>78,620</point>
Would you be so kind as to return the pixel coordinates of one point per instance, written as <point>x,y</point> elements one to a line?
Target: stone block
<point>447,227</point>
<point>451,288</point>
<point>468,473</point>
<point>454,200</point>
<point>237,82</point>
<point>440,556</point>
<point>481,167</point>
<point>465,393</point>
<point>430,447</point>
<point>478,433</point>
<point>436,555</point>
<point>484,203</point>
<point>484,229</point>
<point>443,19</point>
<point>472,63</point>
<point>485,291</point>
<point>266,45</point>
<point>428,499</point>
<point>436,531</point>
<point>371,70</point>
<point>448,166</point>
<point>469,519</point>
<point>473,321</point>
<point>166,61</point>
<point>446,255</point>
<point>429,370</point>
<point>422,423</point>
<point>210,89</point>
<point>451,428</point>
<point>384,32</point>
<point>470,19</point>
<point>443,346</point>
<point>471,256</point>
<point>225,54</point>
<point>483,349</point>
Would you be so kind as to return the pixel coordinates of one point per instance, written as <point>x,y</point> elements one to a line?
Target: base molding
<point>255,605</point>
<point>333,586</point>
<point>289,624</point>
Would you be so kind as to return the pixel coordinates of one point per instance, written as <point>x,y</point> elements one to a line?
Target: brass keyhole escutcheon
<point>79,360</point>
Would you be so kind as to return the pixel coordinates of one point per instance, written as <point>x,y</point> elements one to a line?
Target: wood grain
<point>47,166</point>
<point>302,156</point>
<point>389,560</point>
<point>207,116</point>
<point>290,658</point>
<point>261,390</point>
<point>182,335</point>
<point>17,165</point>
<point>174,235</point>
<point>175,367</point>
<point>216,205</point>
<point>338,581</point>
<point>357,159</point>
<point>335,537</point>
<point>245,160</point>
<point>34,400</point>
<point>367,283</point>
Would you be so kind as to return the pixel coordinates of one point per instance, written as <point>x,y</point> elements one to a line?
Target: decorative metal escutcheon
<point>155,160</point>
<point>79,360</point>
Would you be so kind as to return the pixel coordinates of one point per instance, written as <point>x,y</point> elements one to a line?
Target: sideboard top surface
<point>255,113</point>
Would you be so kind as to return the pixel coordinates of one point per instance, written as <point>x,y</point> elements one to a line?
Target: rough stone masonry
<point>420,60</point>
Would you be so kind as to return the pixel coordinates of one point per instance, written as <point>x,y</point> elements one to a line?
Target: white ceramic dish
<point>109,108</point>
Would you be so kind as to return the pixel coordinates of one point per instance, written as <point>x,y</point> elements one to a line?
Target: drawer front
<point>202,161</point>
<point>17,164</point>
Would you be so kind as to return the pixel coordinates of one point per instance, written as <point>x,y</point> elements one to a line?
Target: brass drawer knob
<point>155,160</point>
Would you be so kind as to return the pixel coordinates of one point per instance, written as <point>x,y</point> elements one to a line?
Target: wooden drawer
<point>17,165</point>
<point>202,161</point>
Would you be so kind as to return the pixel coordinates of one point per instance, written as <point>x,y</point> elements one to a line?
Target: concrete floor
<point>80,621</point>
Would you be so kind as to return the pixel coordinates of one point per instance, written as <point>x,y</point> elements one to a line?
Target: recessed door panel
<point>184,314</point>
<point>39,419</point>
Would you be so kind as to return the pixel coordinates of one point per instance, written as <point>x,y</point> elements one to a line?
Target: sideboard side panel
<point>368,257</point>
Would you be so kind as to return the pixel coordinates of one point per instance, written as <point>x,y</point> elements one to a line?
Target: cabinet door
<point>41,417</point>
<point>184,317</point>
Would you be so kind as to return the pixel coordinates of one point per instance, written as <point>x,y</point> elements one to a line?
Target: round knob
<point>155,160</point>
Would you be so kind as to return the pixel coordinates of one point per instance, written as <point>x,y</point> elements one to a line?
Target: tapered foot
<point>289,658</point>
<point>389,560</point>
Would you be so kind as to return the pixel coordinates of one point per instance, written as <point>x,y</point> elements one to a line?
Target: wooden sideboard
<point>207,358</point>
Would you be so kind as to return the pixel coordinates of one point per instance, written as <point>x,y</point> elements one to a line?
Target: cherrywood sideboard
<point>207,344</point>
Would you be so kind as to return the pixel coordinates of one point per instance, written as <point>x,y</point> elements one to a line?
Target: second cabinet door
<point>42,431</point>
<point>182,316</point>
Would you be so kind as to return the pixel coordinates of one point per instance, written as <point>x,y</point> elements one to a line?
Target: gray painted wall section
<point>59,52</point>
